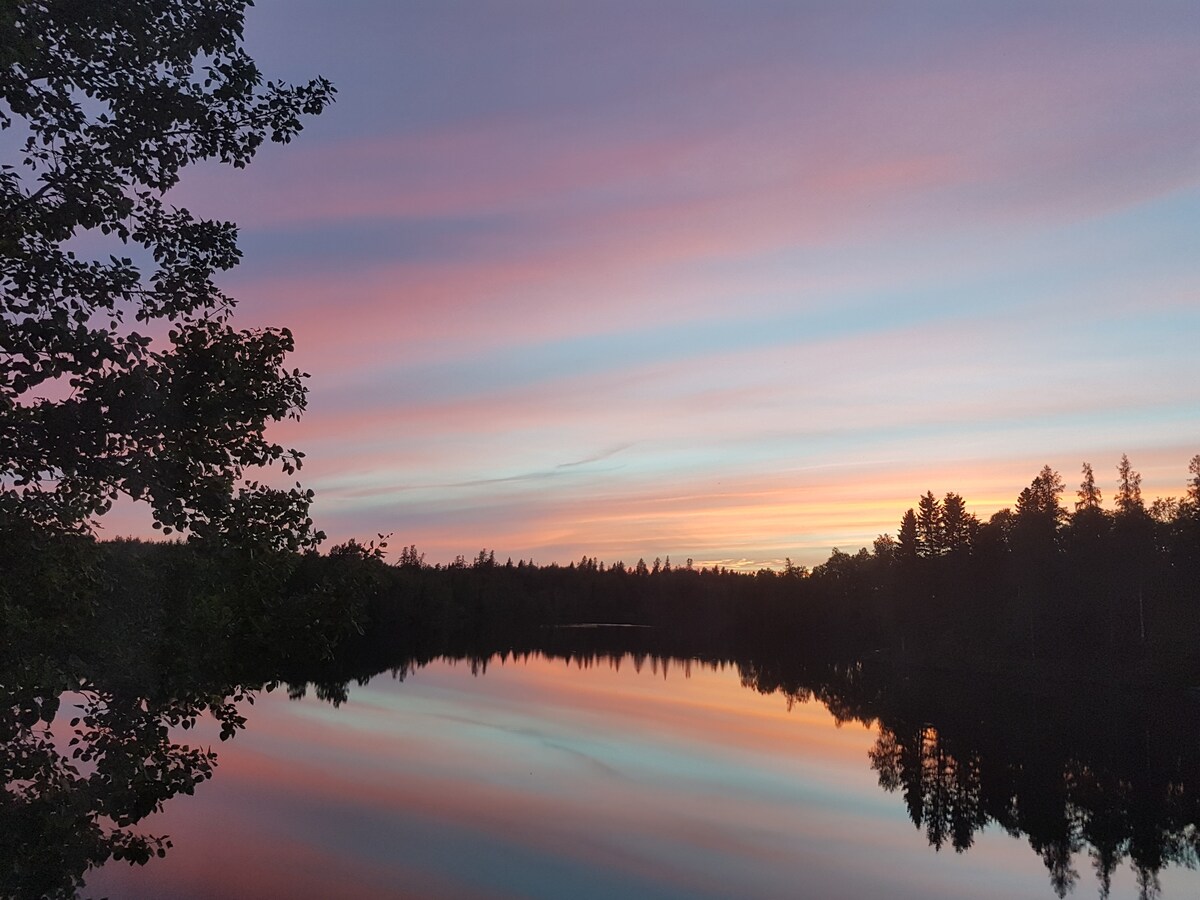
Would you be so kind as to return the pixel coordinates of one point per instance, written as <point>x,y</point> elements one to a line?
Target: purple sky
<point>731,281</point>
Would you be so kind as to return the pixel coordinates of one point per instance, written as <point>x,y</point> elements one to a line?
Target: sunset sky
<point>734,281</point>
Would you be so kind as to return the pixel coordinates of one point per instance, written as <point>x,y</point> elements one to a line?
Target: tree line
<point>1035,583</point>
<point>940,526</point>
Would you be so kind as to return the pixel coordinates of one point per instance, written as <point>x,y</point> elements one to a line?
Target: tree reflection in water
<point>1072,769</point>
<point>108,659</point>
<point>1114,776</point>
<point>1141,810</point>
<point>70,805</point>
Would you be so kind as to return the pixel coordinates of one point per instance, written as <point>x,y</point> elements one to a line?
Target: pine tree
<point>957,524</point>
<point>1040,499</point>
<point>1089,494</point>
<point>929,525</point>
<point>1129,488</point>
<point>906,543</point>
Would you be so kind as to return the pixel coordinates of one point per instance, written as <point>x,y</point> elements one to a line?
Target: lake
<point>633,775</point>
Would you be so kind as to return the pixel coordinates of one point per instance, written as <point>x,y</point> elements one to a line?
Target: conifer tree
<point>929,525</point>
<point>906,541</point>
<point>957,523</point>
<point>1129,488</point>
<point>1089,493</point>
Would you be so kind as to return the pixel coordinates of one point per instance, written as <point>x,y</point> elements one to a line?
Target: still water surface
<point>537,777</point>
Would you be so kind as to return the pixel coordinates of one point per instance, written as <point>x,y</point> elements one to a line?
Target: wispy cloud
<point>724,282</point>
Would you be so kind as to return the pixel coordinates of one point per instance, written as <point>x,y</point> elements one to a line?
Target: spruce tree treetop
<point>1089,494</point>
<point>929,525</point>
<point>1129,488</point>
<point>1041,499</point>
<point>105,103</point>
<point>1193,487</point>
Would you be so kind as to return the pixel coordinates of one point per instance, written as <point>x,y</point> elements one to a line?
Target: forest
<point>1035,591</point>
<point>1037,588</point>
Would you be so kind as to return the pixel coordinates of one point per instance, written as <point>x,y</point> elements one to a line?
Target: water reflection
<point>1078,771</point>
<point>1070,768</point>
<point>1105,781</point>
<point>1124,793</point>
<point>71,803</point>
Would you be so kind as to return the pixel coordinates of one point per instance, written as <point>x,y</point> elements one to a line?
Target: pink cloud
<point>989,113</point>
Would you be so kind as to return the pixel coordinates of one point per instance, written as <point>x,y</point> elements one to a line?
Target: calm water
<point>546,778</point>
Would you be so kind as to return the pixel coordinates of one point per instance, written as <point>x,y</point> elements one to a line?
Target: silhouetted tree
<point>1038,515</point>
<point>906,545</point>
<point>1090,522</point>
<point>1193,488</point>
<point>1129,488</point>
<point>995,535</point>
<point>1089,494</point>
<point>929,525</point>
<point>1165,510</point>
<point>1041,499</point>
<point>884,547</point>
<point>958,526</point>
<point>411,559</point>
<point>110,102</point>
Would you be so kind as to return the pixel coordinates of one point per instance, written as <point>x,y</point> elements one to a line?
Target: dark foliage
<point>120,373</point>
<point>1091,594</point>
<point>151,640</point>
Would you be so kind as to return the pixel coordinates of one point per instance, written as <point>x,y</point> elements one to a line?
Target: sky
<point>726,281</point>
